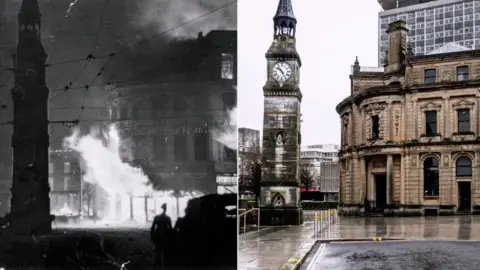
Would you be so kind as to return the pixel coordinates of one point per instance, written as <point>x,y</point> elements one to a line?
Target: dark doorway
<point>380,192</point>
<point>464,196</point>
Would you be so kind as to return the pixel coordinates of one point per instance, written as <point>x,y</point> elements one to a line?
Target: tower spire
<point>284,20</point>
<point>29,12</point>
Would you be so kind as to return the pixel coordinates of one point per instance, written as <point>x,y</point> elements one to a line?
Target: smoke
<point>164,15</point>
<point>124,186</point>
<point>228,135</point>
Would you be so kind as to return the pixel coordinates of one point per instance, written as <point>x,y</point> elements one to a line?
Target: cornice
<point>401,90</point>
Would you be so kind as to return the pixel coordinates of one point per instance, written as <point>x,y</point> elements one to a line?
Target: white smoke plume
<point>100,154</point>
<point>164,15</point>
<point>228,135</point>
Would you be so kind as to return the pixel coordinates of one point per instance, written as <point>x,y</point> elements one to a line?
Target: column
<point>362,126</point>
<point>363,180</point>
<point>402,122</point>
<point>478,116</point>
<point>402,179</point>
<point>446,118</point>
<point>390,122</point>
<point>353,122</point>
<point>350,129</point>
<point>390,179</point>
<point>414,119</point>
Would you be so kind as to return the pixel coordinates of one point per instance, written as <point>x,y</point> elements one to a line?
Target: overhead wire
<point>141,41</point>
<point>90,56</point>
<point>149,39</point>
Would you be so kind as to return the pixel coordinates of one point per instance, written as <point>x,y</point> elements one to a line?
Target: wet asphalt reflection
<point>415,255</point>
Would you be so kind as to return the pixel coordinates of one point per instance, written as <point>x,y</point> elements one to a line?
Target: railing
<point>244,214</point>
<point>323,220</point>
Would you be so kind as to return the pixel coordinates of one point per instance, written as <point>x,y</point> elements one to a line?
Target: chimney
<point>200,35</point>
<point>397,46</point>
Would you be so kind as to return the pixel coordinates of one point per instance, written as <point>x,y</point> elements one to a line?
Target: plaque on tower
<point>280,183</point>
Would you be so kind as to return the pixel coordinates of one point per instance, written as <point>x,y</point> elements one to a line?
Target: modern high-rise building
<point>432,24</point>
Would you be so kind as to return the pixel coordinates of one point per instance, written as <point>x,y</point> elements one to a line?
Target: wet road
<point>395,255</point>
<point>273,247</point>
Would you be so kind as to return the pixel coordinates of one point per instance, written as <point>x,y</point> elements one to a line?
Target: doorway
<point>464,196</point>
<point>380,192</point>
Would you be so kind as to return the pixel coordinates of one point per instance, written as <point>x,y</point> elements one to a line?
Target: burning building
<point>168,117</point>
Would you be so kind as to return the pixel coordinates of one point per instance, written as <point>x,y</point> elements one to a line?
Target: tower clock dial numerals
<point>281,72</point>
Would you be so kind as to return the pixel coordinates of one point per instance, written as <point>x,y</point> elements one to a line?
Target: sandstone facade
<point>411,133</point>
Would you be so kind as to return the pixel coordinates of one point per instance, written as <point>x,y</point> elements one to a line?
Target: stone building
<point>410,132</point>
<point>170,119</point>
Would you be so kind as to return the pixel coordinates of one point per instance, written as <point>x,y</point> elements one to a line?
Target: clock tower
<point>280,184</point>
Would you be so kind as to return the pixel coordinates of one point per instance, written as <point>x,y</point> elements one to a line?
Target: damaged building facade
<point>410,132</point>
<point>170,121</point>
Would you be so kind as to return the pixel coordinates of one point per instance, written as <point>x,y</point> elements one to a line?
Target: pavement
<point>288,247</point>
<point>122,244</point>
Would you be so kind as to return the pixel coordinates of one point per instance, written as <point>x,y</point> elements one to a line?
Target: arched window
<point>430,177</point>
<point>463,167</point>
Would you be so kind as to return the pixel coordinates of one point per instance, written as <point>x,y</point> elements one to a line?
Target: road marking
<point>293,260</point>
<point>311,265</point>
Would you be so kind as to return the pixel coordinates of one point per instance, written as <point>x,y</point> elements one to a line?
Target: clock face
<point>281,72</point>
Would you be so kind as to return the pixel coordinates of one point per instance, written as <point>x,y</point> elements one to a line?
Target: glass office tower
<point>433,24</point>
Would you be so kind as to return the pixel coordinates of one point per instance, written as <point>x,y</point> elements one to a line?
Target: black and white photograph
<point>118,134</point>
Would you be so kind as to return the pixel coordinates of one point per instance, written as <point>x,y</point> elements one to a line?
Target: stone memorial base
<point>273,216</point>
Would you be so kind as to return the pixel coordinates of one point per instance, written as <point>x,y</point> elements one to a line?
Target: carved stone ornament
<point>430,106</point>
<point>278,200</point>
<point>445,160</point>
<point>345,119</point>
<point>372,107</point>
<point>446,75</point>
<point>356,86</point>
<point>279,138</point>
<point>463,104</point>
<point>397,122</point>
<point>368,130</point>
<point>414,160</point>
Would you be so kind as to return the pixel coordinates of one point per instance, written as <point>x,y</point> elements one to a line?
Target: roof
<point>284,9</point>
<point>449,48</point>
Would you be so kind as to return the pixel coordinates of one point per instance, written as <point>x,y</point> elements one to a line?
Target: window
<point>180,152</point>
<point>431,123</point>
<point>345,134</point>
<point>463,167</point>
<point>229,100</point>
<point>430,177</point>
<point>375,127</point>
<point>159,150</point>
<point>229,154</point>
<point>430,76</point>
<point>66,167</point>
<point>463,117</point>
<point>201,146</point>
<point>462,73</point>
<point>227,66</point>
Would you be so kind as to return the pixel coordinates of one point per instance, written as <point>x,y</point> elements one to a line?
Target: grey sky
<point>329,36</point>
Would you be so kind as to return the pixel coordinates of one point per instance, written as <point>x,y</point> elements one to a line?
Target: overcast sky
<point>329,36</point>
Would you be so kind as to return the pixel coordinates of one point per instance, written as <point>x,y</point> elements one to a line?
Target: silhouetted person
<point>160,234</point>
